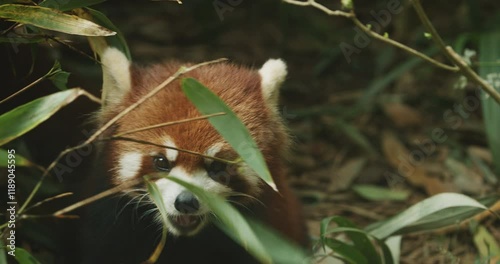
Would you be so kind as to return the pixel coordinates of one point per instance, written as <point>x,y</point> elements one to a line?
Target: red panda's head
<point>252,95</point>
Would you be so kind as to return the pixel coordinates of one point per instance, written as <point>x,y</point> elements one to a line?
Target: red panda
<point>123,229</point>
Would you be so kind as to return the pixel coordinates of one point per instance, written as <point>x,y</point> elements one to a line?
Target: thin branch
<point>24,88</point>
<point>98,196</point>
<point>402,46</point>
<point>174,148</point>
<point>472,75</point>
<point>320,7</point>
<point>94,136</point>
<point>167,124</point>
<point>49,200</point>
<point>91,97</point>
<point>452,55</point>
<point>367,30</point>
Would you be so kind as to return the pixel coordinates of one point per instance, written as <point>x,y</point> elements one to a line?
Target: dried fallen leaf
<point>400,158</point>
<point>402,115</point>
<point>345,175</point>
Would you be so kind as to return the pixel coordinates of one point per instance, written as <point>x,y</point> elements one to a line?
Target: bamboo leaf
<point>24,257</point>
<point>351,254</point>
<point>233,222</point>
<point>52,19</point>
<point>360,239</point>
<point>375,193</point>
<point>155,195</point>
<point>229,126</point>
<point>434,212</point>
<point>20,160</point>
<point>489,51</point>
<point>26,117</point>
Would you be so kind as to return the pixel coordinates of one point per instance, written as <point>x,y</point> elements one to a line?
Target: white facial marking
<point>213,150</point>
<point>129,165</point>
<point>171,154</point>
<point>273,73</point>
<point>170,190</point>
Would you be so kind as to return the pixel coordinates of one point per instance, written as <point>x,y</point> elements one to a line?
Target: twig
<point>93,137</point>
<point>452,55</point>
<point>49,200</point>
<point>167,124</point>
<point>367,30</point>
<point>98,196</point>
<point>170,147</point>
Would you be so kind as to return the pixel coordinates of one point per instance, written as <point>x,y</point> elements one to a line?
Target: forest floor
<point>376,117</point>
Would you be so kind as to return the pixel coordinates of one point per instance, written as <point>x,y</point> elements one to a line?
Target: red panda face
<point>251,94</point>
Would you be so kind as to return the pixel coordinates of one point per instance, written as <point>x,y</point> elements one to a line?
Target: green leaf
<point>351,254</point>
<point>118,41</point>
<point>262,242</point>
<point>155,195</point>
<point>375,193</point>
<point>486,243</point>
<point>360,239</point>
<point>434,212</point>
<point>20,160</point>
<point>58,77</point>
<point>234,224</point>
<point>229,126</point>
<point>52,19</point>
<point>3,253</point>
<point>24,257</point>
<point>490,51</point>
<point>68,5</point>
<point>392,248</point>
<point>26,117</point>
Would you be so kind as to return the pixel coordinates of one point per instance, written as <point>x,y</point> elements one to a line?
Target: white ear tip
<point>272,73</point>
<point>273,69</point>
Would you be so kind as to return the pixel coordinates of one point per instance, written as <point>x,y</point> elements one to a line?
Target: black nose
<point>186,203</point>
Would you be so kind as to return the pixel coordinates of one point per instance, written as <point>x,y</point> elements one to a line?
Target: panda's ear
<point>272,74</point>
<point>116,78</point>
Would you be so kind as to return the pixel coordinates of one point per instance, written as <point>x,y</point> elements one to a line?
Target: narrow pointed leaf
<point>349,253</point>
<point>24,257</point>
<point>229,126</point>
<point>155,195</point>
<point>20,160</point>
<point>118,41</point>
<point>434,212</point>
<point>360,239</point>
<point>234,224</point>
<point>26,117</point>
<point>52,19</point>
<point>375,193</point>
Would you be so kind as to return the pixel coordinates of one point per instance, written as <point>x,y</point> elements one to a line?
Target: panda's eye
<point>216,166</point>
<point>218,171</point>
<point>162,164</point>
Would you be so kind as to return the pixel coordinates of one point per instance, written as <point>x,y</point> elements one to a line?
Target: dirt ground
<point>354,119</point>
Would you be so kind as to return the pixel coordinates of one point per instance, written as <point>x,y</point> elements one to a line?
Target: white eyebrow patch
<point>170,154</point>
<point>213,150</point>
<point>129,165</point>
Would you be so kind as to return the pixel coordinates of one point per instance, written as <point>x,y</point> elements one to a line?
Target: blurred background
<point>370,116</point>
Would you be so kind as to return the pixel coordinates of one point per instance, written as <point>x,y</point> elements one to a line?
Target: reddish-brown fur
<point>240,88</point>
